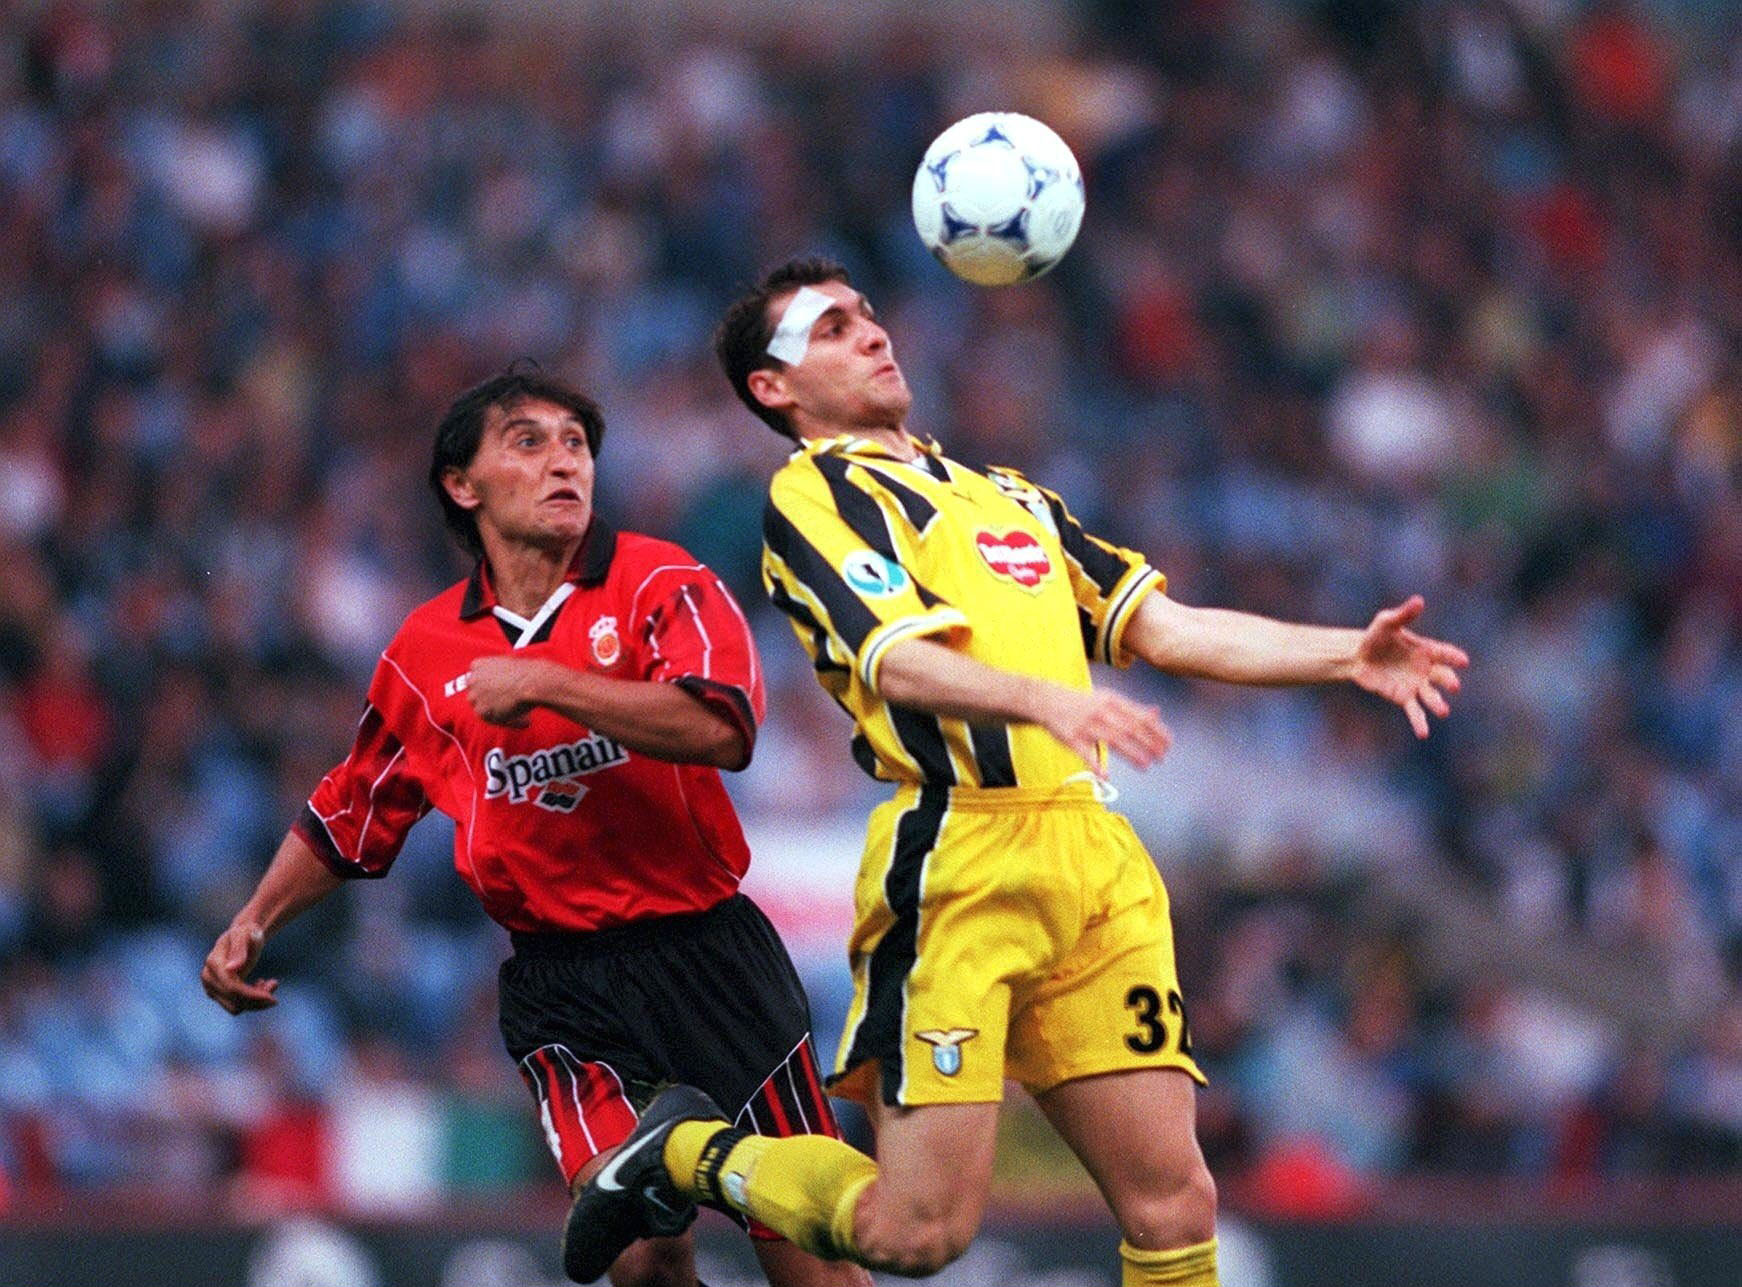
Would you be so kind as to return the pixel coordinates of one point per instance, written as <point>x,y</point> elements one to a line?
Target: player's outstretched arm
<point>296,880</point>
<point>930,677</point>
<point>1387,658</point>
<point>648,716</point>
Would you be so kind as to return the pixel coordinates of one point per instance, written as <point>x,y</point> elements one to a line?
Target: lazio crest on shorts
<point>946,1047</point>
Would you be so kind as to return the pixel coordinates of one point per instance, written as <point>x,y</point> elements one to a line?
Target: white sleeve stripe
<point>375,786</point>
<point>707,643</point>
<point>738,611</point>
<point>749,638</point>
<point>472,821</point>
<point>635,599</point>
<point>349,804</point>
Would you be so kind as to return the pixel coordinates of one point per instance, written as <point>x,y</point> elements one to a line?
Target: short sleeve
<point>699,640</point>
<point>357,818</point>
<point>836,562</point>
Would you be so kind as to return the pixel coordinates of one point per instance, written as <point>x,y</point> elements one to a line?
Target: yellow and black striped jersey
<point>861,550</point>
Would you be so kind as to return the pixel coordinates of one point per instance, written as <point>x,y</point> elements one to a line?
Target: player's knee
<point>655,1262</point>
<point>918,1245</point>
<point>1178,1212</point>
<point>930,1249</point>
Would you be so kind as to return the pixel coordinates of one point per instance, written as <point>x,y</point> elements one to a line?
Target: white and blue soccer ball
<point>998,198</point>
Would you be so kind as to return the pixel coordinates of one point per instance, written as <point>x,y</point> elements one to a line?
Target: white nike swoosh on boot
<point>607,1178</point>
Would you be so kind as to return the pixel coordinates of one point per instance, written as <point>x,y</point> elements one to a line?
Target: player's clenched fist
<point>228,965</point>
<point>502,689</point>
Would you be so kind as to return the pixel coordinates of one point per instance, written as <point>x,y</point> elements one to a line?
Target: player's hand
<point>1407,668</point>
<point>503,689</point>
<point>228,965</point>
<point>1086,721</point>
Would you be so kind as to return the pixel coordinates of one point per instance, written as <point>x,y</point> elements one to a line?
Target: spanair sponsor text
<point>518,776</point>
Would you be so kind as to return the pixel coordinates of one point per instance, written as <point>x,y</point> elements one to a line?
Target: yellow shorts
<point>1006,933</point>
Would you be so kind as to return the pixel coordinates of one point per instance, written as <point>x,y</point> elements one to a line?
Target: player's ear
<point>768,386</point>
<point>459,488</point>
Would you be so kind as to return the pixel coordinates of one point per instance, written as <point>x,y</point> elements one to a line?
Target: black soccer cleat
<point>632,1196</point>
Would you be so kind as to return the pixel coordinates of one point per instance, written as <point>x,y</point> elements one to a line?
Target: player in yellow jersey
<point>1007,923</point>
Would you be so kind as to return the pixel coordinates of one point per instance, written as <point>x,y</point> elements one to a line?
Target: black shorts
<point>598,1022</point>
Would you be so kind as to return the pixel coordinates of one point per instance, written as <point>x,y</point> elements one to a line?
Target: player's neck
<point>524,575</point>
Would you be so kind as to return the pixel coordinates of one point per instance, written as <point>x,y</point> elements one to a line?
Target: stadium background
<point>1372,297</point>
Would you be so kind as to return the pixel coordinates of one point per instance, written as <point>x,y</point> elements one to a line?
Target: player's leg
<point>786,1264</point>
<point>1104,1046</point>
<point>930,959</point>
<point>912,1212</point>
<point>1136,1133</point>
<point>656,1262</point>
<point>582,1104</point>
<point>934,1172</point>
<point>561,1024</point>
<point>790,1103</point>
<point>747,1045</point>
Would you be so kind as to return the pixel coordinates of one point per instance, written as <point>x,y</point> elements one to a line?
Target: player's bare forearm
<point>930,677</point>
<point>1387,658</point>
<point>295,880</point>
<point>650,718</point>
<point>656,719</point>
<point>1238,647</point>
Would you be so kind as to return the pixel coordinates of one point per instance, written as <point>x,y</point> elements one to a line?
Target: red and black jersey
<point>558,828</point>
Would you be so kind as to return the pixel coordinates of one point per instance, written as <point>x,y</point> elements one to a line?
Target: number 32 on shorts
<point>1155,1030</point>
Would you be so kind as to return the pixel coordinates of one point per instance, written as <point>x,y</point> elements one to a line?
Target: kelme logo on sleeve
<point>872,575</point>
<point>1015,556</point>
<point>946,1047</point>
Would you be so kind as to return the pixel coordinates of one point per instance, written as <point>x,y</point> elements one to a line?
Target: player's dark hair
<point>462,429</point>
<point>741,339</point>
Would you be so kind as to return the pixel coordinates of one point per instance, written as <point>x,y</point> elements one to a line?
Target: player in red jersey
<point>570,705</point>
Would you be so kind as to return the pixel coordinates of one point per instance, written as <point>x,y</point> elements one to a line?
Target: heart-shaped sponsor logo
<point>1016,555</point>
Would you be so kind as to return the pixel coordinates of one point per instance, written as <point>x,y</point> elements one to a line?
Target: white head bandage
<point>793,336</point>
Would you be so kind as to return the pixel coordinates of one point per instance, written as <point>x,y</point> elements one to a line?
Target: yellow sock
<point>1193,1266</point>
<point>683,1151</point>
<point>804,1187</point>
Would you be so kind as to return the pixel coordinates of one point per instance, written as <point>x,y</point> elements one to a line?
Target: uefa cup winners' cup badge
<point>607,645</point>
<point>946,1047</point>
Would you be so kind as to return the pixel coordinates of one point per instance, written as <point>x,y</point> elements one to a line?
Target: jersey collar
<point>846,444</point>
<point>592,561</point>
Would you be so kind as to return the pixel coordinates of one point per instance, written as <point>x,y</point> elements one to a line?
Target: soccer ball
<point>998,198</point>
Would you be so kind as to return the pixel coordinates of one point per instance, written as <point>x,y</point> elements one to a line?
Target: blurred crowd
<point>1372,298</point>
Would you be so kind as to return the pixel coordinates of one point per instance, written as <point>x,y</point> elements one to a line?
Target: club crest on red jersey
<point>607,644</point>
<point>1015,555</point>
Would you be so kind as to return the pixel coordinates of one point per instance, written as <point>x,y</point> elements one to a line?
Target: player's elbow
<point>724,746</point>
